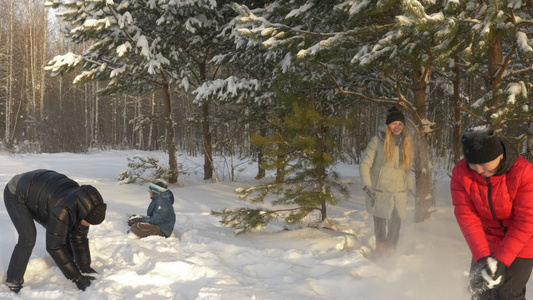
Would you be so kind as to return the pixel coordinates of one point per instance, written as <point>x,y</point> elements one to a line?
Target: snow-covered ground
<point>204,260</point>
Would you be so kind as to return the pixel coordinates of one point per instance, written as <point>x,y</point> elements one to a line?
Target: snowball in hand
<point>489,278</point>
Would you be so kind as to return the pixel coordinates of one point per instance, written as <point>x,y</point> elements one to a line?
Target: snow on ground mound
<point>204,260</point>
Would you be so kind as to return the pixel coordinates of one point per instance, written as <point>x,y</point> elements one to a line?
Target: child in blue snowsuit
<point>160,216</point>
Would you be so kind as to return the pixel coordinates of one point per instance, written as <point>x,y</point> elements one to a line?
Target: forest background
<point>297,85</point>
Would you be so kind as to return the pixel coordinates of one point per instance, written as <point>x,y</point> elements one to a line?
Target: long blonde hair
<point>406,150</point>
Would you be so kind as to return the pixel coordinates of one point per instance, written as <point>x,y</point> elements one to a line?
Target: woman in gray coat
<point>387,180</point>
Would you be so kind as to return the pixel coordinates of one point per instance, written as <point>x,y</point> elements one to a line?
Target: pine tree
<point>500,52</point>
<point>138,47</point>
<point>304,106</point>
<point>303,154</point>
<point>369,55</point>
<point>248,92</point>
<point>485,42</point>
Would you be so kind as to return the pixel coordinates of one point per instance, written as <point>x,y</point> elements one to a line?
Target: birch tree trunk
<point>456,114</point>
<point>139,129</point>
<point>87,115</point>
<point>114,129</point>
<point>9,98</point>
<point>32,68</point>
<point>124,120</point>
<point>96,136</point>
<point>42,74</point>
<point>151,127</point>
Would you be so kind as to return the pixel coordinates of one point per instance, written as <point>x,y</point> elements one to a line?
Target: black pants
<point>514,284</point>
<point>143,229</point>
<point>388,230</point>
<point>25,226</point>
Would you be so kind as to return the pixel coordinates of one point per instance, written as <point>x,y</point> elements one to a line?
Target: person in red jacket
<point>492,191</point>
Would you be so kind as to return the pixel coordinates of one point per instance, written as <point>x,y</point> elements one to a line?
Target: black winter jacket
<point>59,204</point>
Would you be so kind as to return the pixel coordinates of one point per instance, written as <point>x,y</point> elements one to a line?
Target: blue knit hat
<point>158,186</point>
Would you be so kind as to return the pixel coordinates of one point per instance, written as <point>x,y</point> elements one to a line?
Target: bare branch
<point>471,113</point>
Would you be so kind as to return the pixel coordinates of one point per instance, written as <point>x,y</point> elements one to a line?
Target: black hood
<point>510,156</point>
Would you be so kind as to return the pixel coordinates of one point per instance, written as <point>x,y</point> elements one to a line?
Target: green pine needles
<point>301,152</point>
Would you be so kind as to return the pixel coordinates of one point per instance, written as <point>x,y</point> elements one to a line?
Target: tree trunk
<point>208,155</point>
<point>87,115</point>
<point>495,60</point>
<point>9,100</point>
<point>114,120</point>
<point>32,68</point>
<point>151,127</point>
<point>529,142</point>
<point>171,144</point>
<point>206,133</point>
<point>456,115</point>
<point>125,121</point>
<point>43,59</point>
<point>260,156</point>
<point>138,114</point>
<point>423,173</point>
<point>322,136</point>
<point>423,197</point>
<point>96,125</point>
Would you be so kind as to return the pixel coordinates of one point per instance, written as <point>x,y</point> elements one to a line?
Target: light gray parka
<point>389,180</point>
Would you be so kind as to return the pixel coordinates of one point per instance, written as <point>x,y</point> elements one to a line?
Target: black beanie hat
<point>394,115</point>
<point>481,144</point>
<point>96,215</point>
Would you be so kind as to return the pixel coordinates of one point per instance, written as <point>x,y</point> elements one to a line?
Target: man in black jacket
<point>66,210</point>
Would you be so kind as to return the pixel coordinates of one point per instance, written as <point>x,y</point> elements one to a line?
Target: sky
<point>205,260</point>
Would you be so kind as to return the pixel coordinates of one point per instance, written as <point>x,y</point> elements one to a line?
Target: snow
<point>286,62</point>
<point>124,19</point>
<point>300,10</point>
<point>122,49</point>
<point>142,43</point>
<point>70,59</point>
<point>523,43</point>
<point>514,89</point>
<point>204,260</point>
<point>493,266</point>
<point>224,89</point>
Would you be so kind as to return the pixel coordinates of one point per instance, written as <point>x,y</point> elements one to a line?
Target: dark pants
<point>25,226</point>
<point>388,230</point>
<point>514,284</point>
<point>143,229</point>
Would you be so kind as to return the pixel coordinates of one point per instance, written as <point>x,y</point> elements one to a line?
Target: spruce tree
<point>499,52</point>
<point>369,55</point>
<point>141,46</point>
<point>302,152</point>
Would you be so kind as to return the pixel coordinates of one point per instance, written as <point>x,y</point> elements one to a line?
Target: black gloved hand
<point>370,192</point>
<point>83,281</point>
<point>86,269</point>
<point>134,219</point>
<point>487,274</point>
<point>493,272</point>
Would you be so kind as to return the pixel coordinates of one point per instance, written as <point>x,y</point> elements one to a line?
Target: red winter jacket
<point>496,214</point>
